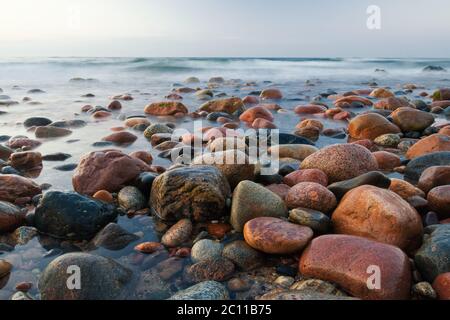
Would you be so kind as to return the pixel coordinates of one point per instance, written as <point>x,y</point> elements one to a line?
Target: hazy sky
<point>318,28</point>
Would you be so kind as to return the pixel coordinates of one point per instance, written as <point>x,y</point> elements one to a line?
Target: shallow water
<point>149,80</point>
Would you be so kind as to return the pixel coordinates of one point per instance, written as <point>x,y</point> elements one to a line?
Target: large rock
<point>106,170</point>
<point>439,200</point>
<point>295,151</point>
<point>70,215</point>
<point>251,200</point>
<point>167,108</point>
<point>242,255</point>
<point>51,132</point>
<point>434,177</point>
<point>13,186</point>
<point>416,166</point>
<point>351,261</point>
<point>393,103</point>
<point>276,236</point>
<point>409,119</point>
<point>434,143</point>
<point>311,195</point>
<point>254,113</point>
<point>197,192</point>
<point>374,178</point>
<point>341,161</point>
<point>228,105</point>
<point>27,160</point>
<point>113,237</point>
<point>216,269</point>
<point>433,257</point>
<point>11,217</point>
<point>370,126</point>
<point>101,278</point>
<point>378,214</point>
<point>206,290</point>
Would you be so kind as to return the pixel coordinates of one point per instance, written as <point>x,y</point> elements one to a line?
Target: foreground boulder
<point>378,214</point>
<point>167,108</point>
<point>370,126</point>
<point>70,215</point>
<point>229,105</point>
<point>416,166</point>
<point>251,200</point>
<point>341,161</point>
<point>311,195</point>
<point>327,258</point>
<point>434,177</point>
<point>433,143</point>
<point>106,170</point>
<point>433,257</point>
<point>13,186</point>
<point>409,119</point>
<point>196,192</point>
<point>11,217</point>
<point>101,278</point>
<point>276,236</point>
<point>439,200</point>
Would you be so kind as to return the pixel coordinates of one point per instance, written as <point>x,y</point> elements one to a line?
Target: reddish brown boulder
<point>11,217</point>
<point>276,236</point>
<point>309,109</point>
<point>341,161</point>
<point>442,286</point>
<point>253,113</point>
<point>131,122</point>
<point>433,177</point>
<point>378,214</point>
<point>142,155</point>
<point>279,189</point>
<point>310,123</point>
<point>381,93</point>
<point>115,105</point>
<point>409,119</point>
<point>166,108</point>
<point>250,100</point>
<point>104,196</point>
<point>311,195</point>
<point>439,200</point>
<point>344,102</point>
<point>441,94</point>
<point>392,103</point>
<point>271,94</point>
<point>122,137</point>
<point>405,189</point>
<point>370,126</point>
<point>101,114</point>
<point>367,143</point>
<point>434,143</point>
<point>13,186</point>
<point>260,123</point>
<point>353,263</point>
<point>387,161</point>
<point>27,160</point>
<point>106,170</point>
<point>306,175</point>
<point>229,105</point>
<point>445,130</point>
<point>16,143</point>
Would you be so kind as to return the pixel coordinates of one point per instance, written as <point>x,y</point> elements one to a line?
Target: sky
<point>224,28</point>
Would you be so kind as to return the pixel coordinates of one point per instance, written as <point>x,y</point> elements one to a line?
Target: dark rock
<point>11,217</point>
<point>58,156</point>
<point>113,237</point>
<point>243,256</point>
<point>207,290</point>
<point>144,182</point>
<point>36,122</point>
<point>75,123</point>
<point>71,215</point>
<point>66,167</point>
<point>219,269</point>
<point>417,165</point>
<point>131,198</point>
<point>316,220</point>
<point>374,178</point>
<point>286,138</point>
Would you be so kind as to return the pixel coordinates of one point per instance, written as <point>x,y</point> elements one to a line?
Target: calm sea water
<point>150,79</point>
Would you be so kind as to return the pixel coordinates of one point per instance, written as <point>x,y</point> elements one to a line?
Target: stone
<point>276,236</point>
<point>271,94</point>
<point>287,138</point>
<point>380,215</point>
<point>108,170</point>
<point>316,220</point>
<point>424,290</point>
<point>36,122</point>
<point>5,268</point>
<point>387,161</point>
<point>433,177</point>
<point>206,249</point>
<point>74,123</point>
<point>309,109</point>
<point>218,269</point>
<point>251,200</point>
<point>434,143</point>
<point>308,295</point>
<point>389,140</point>
<point>131,198</point>
<point>206,290</point>
<point>136,121</point>
<point>433,257</point>
<point>280,190</point>
<point>317,285</point>
<point>393,103</point>
<point>122,137</point>
<point>20,142</point>
<point>284,281</point>
<point>197,192</point>
<point>167,108</point>
<point>70,215</point>
<point>228,105</point>
<point>306,175</point>
<point>416,166</point>
<point>178,234</point>
<point>381,93</point>
<point>27,160</point>
<point>51,132</point>
<point>405,189</point>
<point>155,129</point>
<point>374,178</point>
<point>311,195</point>
<point>5,152</point>
<point>295,151</point>
<point>243,256</point>
<point>253,113</point>
<point>96,272</point>
<point>170,267</point>
<point>341,161</point>
<point>13,187</point>
<point>58,156</point>
<point>327,258</point>
<point>441,94</point>
<point>114,237</point>
<point>11,217</point>
<point>149,247</point>
<point>409,119</point>
<point>115,105</point>
<point>442,286</point>
<point>439,200</point>
<point>370,126</point>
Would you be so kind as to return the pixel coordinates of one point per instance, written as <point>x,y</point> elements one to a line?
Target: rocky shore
<point>365,215</point>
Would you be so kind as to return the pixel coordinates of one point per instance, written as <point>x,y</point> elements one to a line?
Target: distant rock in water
<point>432,68</point>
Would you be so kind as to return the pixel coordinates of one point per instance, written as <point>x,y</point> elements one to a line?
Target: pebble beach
<point>225,178</point>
